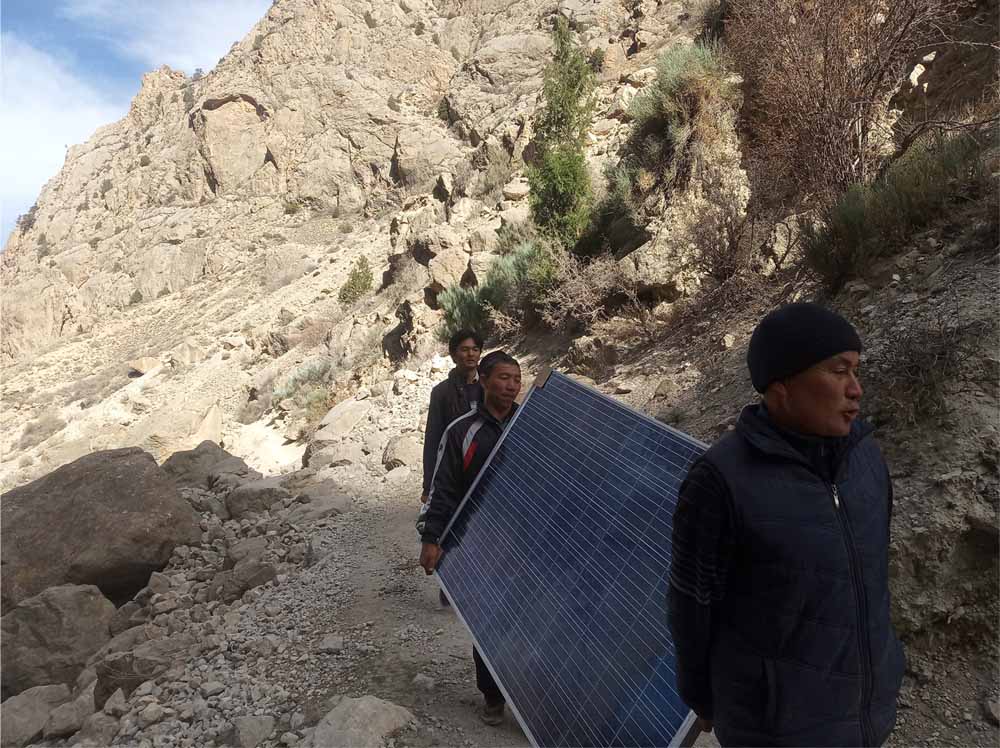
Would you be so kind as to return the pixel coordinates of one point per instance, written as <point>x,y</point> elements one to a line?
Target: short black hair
<point>492,360</point>
<point>456,340</point>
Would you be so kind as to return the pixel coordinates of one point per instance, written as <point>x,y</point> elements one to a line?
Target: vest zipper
<point>864,649</point>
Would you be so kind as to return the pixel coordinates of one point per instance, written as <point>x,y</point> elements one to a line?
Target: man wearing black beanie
<point>779,590</point>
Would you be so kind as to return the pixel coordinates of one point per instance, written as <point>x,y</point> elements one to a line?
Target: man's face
<point>502,385</point>
<point>466,355</point>
<point>825,399</point>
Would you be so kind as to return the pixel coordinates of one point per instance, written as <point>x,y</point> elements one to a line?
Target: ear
<point>776,395</point>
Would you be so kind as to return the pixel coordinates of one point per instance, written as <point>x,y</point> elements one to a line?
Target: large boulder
<point>229,586</point>
<point>342,419</point>
<point>208,466</point>
<point>360,723</point>
<point>109,519</point>
<point>69,717</point>
<point>128,670</point>
<point>49,638</point>
<point>23,717</point>
<point>256,496</point>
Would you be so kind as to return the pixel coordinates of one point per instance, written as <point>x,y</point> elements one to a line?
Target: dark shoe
<point>443,599</point>
<point>492,714</point>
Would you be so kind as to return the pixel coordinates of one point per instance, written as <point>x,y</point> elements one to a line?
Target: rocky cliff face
<point>235,204</point>
<point>337,109</point>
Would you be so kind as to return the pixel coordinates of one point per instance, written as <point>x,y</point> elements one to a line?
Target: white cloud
<point>45,108</point>
<point>184,34</point>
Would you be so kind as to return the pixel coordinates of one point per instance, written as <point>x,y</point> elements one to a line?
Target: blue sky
<point>70,66</point>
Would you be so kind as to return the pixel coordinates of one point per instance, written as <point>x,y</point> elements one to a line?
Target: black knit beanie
<point>795,337</point>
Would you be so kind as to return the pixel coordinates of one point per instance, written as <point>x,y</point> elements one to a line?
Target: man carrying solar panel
<point>779,590</point>
<point>466,444</point>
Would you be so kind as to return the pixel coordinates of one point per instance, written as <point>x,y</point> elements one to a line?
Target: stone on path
<point>360,723</point>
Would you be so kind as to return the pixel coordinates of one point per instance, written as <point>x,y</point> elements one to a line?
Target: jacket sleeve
<point>446,490</point>
<point>432,435</point>
<point>702,540</point>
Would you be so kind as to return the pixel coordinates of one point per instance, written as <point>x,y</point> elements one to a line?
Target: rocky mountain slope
<point>180,275</point>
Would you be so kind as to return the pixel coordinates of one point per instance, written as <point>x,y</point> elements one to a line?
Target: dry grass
<point>912,378</point>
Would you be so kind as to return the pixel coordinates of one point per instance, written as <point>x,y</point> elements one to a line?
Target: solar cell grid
<point>557,562</point>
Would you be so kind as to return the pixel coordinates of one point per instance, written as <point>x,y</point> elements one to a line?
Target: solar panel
<point>557,562</point>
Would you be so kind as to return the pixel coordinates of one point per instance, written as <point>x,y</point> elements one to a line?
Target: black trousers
<point>485,682</point>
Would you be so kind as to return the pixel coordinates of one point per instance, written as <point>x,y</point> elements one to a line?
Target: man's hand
<point>705,725</point>
<point>423,498</point>
<point>430,554</point>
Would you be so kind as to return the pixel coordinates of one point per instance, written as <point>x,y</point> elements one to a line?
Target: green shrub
<point>676,111</point>
<point>292,207</point>
<point>560,193</point>
<point>307,374</point>
<point>567,92</point>
<point>513,287</point>
<point>358,283</point>
<point>463,308</point>
<point>511,236</point>
<point>869,222</point>
<point>560,184</point>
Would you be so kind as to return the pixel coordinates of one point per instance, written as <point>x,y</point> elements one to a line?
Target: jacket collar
<point>755,425</point>
<point>456,378</point>
<point>485,413</point>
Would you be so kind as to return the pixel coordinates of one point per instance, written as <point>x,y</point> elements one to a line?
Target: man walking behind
<point>453,397</point>
<point>467,443</point>
<point>779,588</point>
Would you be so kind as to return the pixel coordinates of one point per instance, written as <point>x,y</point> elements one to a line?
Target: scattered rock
<point>424,682</point>
<point>332,644</point>
<point>152,714</point>
<point>256,496</point>
<point>98,730</point>
<point>402,450</point>
<point>252,731</point>
<point>49,638</point>
<point>229,586</point>
<point>115,705</point>
<point>728,340</point>
<point>248,549</point>
<point>212,688</point>
<point>516,189</point>
<point>23,717</point>
<point>128,670</point>
<point>112,518</point>
<point>361,723</point>
<point>991,708</point>
<point>69,718</point>
<point>593,357</point>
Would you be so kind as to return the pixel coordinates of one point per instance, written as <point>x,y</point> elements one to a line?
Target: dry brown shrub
<point>314,331</point>
<point>819,78</point>
<point>583,290</point>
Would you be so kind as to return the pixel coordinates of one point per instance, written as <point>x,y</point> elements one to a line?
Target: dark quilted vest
<point>806,653</point>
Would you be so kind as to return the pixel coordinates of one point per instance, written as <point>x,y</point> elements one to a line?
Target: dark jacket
<point>779,599</point>
<point>449,400</point>
<point>466,445</point>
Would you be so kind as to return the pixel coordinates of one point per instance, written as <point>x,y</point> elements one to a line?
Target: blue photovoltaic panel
<point>558,564</point>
